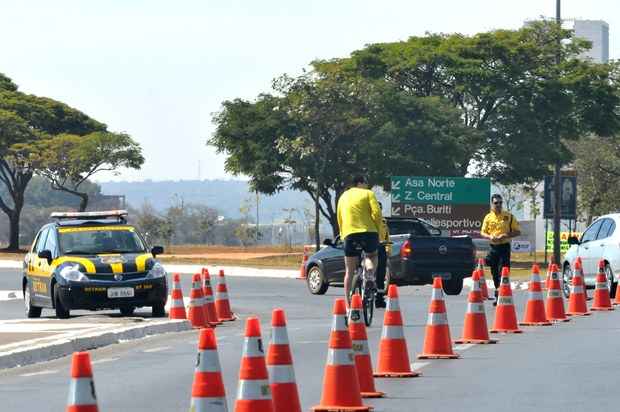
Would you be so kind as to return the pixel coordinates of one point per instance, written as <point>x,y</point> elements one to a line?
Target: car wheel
<point>453,287</point>
<point>31,311</point>
<point>127,310</point>
<point>609,274</point>
<point>567,277</point>
<point>317,285</point>
<point>159,310</point>
<point>61,311</point>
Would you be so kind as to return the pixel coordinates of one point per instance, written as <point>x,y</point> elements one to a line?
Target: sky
<point>159,70</point>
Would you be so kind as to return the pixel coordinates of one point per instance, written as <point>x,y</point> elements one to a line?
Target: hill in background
<point>226,196</point>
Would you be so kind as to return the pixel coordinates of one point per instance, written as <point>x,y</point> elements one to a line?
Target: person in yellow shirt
<point>499,226</point>
<point>359,220</point>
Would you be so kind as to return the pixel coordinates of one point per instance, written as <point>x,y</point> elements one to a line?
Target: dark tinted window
<point>612,228</point>
<point>602,233</point>
<point>95,240</point>
<point>406,227</point>
<point>41,240</point>
<point>591,232</point>
<point>51,244</point>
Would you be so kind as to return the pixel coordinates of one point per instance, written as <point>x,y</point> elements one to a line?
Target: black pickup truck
<point>419,253</point>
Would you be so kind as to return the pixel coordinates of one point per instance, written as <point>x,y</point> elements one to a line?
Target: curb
<point>65,346</point>
<point>515,285</point>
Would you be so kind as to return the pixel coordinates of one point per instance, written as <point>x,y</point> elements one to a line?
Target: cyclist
<point>359,220</point>
<point>384,248</point>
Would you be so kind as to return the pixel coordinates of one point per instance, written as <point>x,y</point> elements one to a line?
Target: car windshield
<point>96,240</point>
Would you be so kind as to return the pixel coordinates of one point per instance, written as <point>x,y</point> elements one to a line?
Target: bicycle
<point>364,286</point>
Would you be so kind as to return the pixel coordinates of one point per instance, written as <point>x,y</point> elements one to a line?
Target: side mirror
<point>45,254</point>
<point>328,242</point>
<point>157,250</point>
<point>573,240</point>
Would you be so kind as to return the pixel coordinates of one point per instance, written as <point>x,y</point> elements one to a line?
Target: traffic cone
<point>208,394</point>
<point>280,366</point>
<point>535,314</point>
<point>209,302</point>
<point>577,305</point>
<point>617,300</point>
<point>363,362</point>
<point>483,282</point>
<point>82,396</point>
<point>475,328</point>
<point>393,354</point>
<point>222,305</point>
<point>197,313</point>
<point>177,306</point>
<point>505,314</point>
<point>341,390</point>
<point>602,301</point>
<point>555,300</point>
<point>304,260</point>
<point>254,392</point>
<point>437,341</point>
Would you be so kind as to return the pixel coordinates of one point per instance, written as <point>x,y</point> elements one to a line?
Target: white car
<point>600,241</point>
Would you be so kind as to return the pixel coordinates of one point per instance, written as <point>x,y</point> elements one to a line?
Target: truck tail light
<point>405,250</point>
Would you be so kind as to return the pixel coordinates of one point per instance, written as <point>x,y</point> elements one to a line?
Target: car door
<point>44,284</point>
<point>587,250</point>
<point>333,262</point>
<point>34,268</point>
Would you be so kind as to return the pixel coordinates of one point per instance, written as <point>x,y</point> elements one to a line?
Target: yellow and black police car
<point>92,260</point>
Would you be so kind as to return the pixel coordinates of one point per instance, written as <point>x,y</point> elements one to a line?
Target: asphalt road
<point>569,367</point>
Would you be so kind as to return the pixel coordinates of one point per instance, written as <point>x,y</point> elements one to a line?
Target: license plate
<point>120,293</point>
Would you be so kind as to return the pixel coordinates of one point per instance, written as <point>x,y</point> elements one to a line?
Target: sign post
<point>455,204</point>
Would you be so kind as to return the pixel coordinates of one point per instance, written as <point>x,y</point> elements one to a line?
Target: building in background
<point>597,32</point>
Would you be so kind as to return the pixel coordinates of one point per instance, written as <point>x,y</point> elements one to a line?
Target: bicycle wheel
<point>368,302</point>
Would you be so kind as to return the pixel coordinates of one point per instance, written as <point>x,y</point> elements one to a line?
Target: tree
<point>324,128</point>
<point>68,161</point>
<point>25,119</point>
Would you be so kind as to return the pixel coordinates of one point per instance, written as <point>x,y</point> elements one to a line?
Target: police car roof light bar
<point>119,214</point>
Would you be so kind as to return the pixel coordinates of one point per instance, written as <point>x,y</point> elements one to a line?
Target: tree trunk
<point>83,201</point>
<point>14,230</point>
<point>317,221</point>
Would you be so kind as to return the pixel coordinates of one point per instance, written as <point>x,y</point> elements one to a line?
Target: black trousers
<point>497,258</point>
<point>381,264</point>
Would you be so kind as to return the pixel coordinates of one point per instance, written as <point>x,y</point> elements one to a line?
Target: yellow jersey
<point>496,224</point>
<point>358,212</point>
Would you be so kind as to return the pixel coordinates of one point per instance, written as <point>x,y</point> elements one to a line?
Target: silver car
<point>600,241</point>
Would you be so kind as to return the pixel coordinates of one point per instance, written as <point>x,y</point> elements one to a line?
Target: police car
<point>92,260</point>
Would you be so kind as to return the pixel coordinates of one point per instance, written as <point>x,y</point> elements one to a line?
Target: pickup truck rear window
<point>406,227</point>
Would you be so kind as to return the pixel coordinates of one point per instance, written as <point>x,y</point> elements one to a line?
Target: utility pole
<point>557,193</point>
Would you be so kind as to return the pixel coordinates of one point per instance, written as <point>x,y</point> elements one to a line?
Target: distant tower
<point>597,32</point>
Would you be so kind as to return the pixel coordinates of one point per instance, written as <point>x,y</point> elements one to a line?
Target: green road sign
<point>440,190</point>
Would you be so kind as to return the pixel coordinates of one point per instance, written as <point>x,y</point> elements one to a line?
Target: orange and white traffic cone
<point>177,306</point>
<point>437,341</point>
<point>535,314</point>
<point>254,392</point>
<point>208,394</point>
<point>82,396</point>
<point>363,362</point>
<point>280,365</point>
<point>393,354</point>
<point>555,300</point>
<point>483,282</point>
<point>209,301</point>
<point>505,313</point>
<point>577,305</point>
<point>475,328</point>
<point>222,304</point>
<point>196,313</point>
<point>602,301</point>
<point>341,390</point>
<point>304,261</point>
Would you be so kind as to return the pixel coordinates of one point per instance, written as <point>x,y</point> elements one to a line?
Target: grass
<point>269,262</point>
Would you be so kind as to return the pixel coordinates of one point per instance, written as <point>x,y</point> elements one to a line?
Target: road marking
<point>105,360</point>
<point>305,342</point>
<point>159,349</point>
<point>48,372</point>
<point>464,346</point>
<point>10,294</point>
<point>416,366</point>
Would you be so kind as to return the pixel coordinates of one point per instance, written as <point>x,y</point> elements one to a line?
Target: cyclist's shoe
<point>496,294</point>
<point>379,302</point>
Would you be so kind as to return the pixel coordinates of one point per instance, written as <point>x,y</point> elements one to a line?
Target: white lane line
<point>48,372</point>
<point>416,366</point>
<point>464,346</point>
<point>158,349</point>
<point>10,294</point>
<point>104,360</point>
<point>305,342</point>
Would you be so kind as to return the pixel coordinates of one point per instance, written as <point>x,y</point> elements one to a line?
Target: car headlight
<point>157,271</point>
<point>73,273</point>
